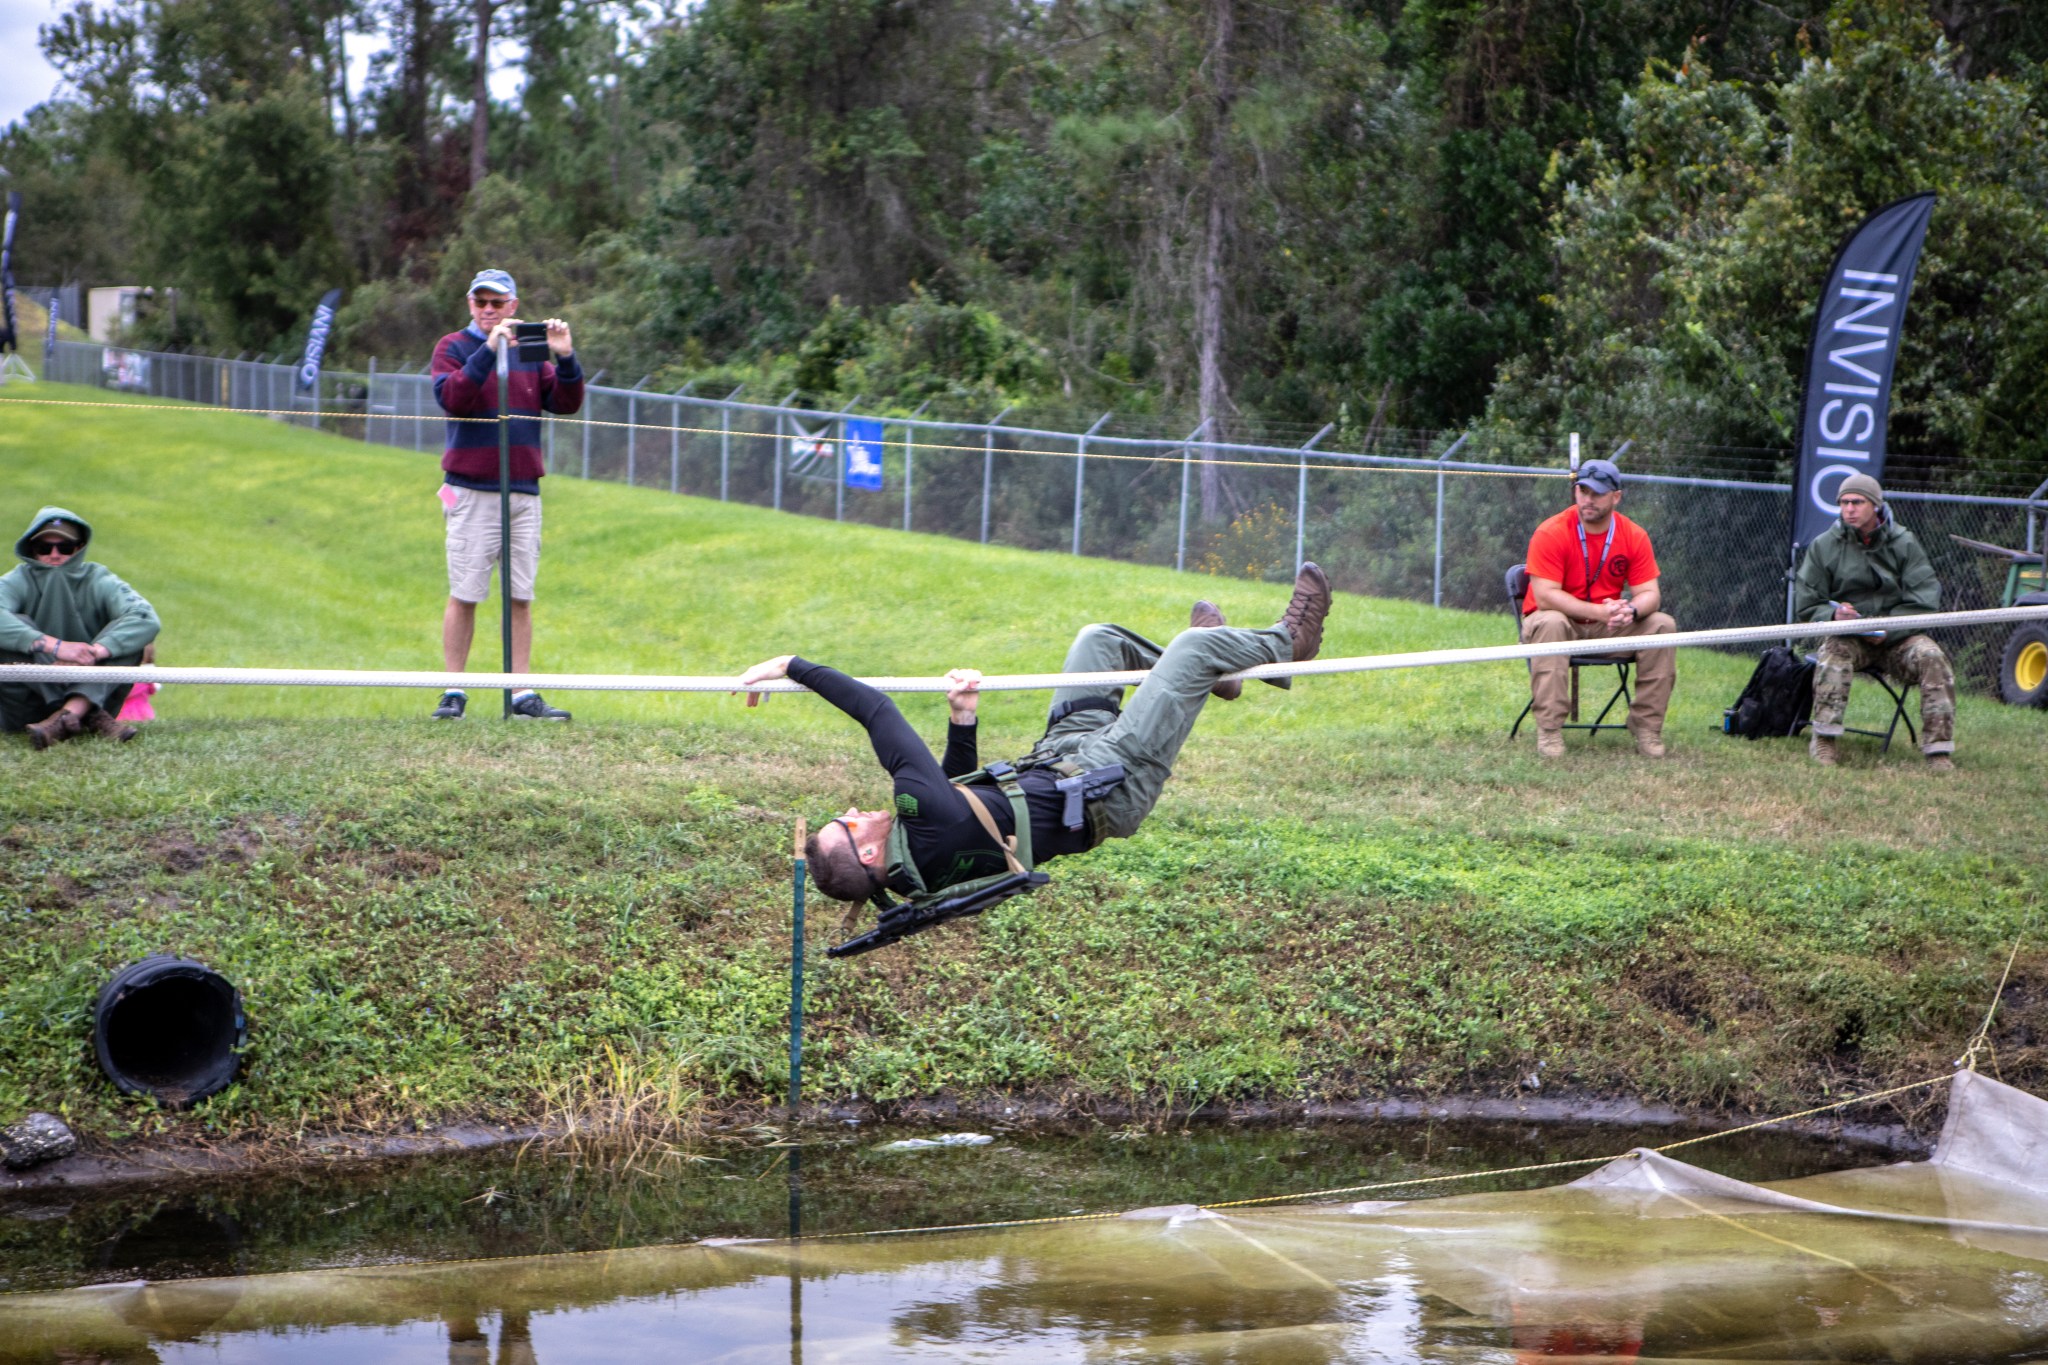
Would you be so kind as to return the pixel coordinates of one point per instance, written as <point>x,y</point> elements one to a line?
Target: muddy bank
<point>173,1160</point>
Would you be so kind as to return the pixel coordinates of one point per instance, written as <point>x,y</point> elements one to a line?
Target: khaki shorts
<point>473,544</point>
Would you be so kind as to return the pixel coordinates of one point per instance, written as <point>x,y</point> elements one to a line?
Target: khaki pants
<point>1913,659</point>
<point>1550,684</point>
<point>1146,734</point>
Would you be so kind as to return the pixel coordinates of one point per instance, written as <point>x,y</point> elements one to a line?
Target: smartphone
<point>532,339</point>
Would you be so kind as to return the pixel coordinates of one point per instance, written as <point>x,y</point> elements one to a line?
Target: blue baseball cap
<point>1600,475</point>
<point>497,281</point>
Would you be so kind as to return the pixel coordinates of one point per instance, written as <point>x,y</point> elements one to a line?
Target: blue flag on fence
<point>862,439</point>
<point>316,340</point>
<point>1850,363</point>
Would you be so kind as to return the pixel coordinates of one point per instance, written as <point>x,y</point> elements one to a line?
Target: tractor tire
<point>2023,670</point>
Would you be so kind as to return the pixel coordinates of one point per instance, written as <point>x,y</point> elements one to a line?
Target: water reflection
<point>1646,1259</point>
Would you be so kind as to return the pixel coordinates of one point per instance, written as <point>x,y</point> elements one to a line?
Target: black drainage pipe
<point>170,1028</point>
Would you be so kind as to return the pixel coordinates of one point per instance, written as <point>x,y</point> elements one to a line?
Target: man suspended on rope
<point>961,838</point>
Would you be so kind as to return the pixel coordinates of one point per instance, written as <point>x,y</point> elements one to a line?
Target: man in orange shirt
<point>1593,575</point>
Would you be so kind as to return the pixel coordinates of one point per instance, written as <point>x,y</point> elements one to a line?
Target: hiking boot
<point>55,728</point>
<point>104,724</point>
<point>1940,763</point>
<point>1305,612</point>
<point>1550,744</point>
<point>531,707</point>
<point>1821,748</point>
<point>1207,614</point>
<point>451,706</point>
<point>1649,743</point>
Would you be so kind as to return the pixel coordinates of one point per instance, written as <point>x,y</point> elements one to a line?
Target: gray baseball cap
<point>1600,475</point>
<point>497,281</point>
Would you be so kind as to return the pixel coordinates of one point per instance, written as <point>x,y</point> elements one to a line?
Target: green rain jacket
<point>76,600</point>
<point>1891,576</point>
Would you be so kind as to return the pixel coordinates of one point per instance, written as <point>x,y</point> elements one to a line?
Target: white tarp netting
<point>1646,1258</point>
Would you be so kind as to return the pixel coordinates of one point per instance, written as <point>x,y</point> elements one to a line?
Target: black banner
<point>316,340</point>
<point>7,332</point>
<point>1849,365</point>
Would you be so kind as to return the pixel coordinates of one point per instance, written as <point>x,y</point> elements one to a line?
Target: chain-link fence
<point>1425,516</point>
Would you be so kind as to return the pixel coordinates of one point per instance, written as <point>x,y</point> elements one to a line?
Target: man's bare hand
<point>768,670</point>
<point>76,652</point>
<point>1845,612</point>
<point>501,335</point>
<point>558,337</point>
<point>1620,612</point>
<point>963,694</point>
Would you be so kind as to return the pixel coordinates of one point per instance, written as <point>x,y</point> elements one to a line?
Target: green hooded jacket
<point>1891,576</point>
<point>76,600</point>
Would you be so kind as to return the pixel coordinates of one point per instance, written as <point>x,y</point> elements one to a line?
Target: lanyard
<point>1586,555</point>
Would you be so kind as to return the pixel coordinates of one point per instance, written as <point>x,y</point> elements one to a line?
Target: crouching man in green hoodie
<point>58,607</point>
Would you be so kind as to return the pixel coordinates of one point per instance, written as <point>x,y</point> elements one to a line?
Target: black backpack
<point>1778,699</point>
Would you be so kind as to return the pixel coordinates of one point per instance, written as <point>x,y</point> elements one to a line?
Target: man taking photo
<point>465,385</point>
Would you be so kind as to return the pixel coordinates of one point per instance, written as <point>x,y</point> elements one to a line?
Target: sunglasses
<point>57,547</point>
<point>490,300</point>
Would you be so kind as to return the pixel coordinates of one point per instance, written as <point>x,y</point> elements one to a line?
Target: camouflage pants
<point>1913,659</point>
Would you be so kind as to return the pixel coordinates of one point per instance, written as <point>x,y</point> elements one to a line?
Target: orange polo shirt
<point>1555,554</point>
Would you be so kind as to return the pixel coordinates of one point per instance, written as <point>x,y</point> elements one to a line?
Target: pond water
<point>560,1257</point>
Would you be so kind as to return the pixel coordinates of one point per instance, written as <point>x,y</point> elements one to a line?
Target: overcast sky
<point>26,80</point>
<point>29,79</point>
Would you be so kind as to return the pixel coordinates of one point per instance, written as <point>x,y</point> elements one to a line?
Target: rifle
<point>900,919</point>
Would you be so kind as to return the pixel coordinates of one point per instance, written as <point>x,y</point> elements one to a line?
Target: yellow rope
<point>936,446</point>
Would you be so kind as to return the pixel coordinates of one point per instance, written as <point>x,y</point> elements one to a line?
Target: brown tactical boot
<point>1649,743</point>
<point>57,727</point>
<point>1822,750</point>
<point>1306,611</point>
<point>1550,744</point>
<point>1205,615</point>
<point>1940,763</point>
<point>102,722</point>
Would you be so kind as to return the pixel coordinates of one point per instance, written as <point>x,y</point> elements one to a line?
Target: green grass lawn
<point>1356,887</point>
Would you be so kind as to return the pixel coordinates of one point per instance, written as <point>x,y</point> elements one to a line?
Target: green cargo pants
<point>1145,736</point>
<point>22,704</point>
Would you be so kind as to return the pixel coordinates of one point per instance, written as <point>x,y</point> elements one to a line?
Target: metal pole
<point>796,976</point>
<point>369,400</point>
<point>1436,593</point>
<point>1301,497</point>
<point>780,427</point>
<point>505,512</point>
<point>988,464</point>
<point>1180,550</point>
<point>675,439</point>
<point>586,440</point>
<point>839,475</point>
<point>1080,464</point>
<point>909,449</point>
<point>724,450</point>
<point>633,427</point>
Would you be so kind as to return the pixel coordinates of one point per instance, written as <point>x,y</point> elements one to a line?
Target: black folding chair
<point>1898,694</point>
<point>1517,584</point>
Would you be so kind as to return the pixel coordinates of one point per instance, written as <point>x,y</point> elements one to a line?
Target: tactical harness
<point>922,908</point>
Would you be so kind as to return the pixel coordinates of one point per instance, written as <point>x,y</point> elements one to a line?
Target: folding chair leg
<point>1573,715</point>
<point>1516,728</point>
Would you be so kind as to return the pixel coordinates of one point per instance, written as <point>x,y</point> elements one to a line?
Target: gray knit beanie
<point>1864,487</point>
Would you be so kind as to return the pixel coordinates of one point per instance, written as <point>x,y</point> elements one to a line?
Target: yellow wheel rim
<point>2030,670</point>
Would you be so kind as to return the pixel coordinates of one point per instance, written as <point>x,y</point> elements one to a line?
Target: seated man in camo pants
<point>1867,565</point>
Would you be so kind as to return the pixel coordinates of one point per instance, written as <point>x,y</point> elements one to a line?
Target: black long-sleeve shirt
<point>946,841</point>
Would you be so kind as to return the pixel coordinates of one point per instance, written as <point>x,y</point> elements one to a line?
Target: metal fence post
<point>839,475</point>
<point>988,464</point>
<point>1301,498</point>
<point>1180,548</point>
<point>1436,592</point>
<point>909,449</point>
<point>725,444</point>
<point>675,439</point>
<point>586,441</point>
<point>1080,464</point>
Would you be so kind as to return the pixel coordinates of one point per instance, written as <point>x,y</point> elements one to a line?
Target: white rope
<point>1010,682</point>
